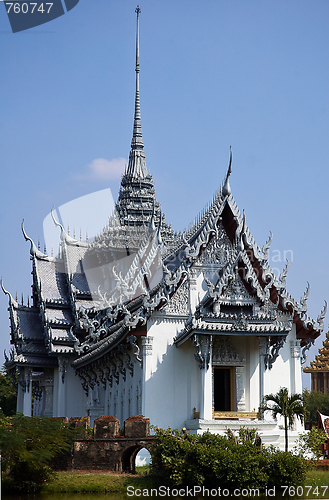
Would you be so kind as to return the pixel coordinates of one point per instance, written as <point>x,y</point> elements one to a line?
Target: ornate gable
<point>178,304</point>
<point>218,251</point>
<point>236,293</point>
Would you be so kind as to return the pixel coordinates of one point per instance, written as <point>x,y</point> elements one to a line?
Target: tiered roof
<point>321,363</point>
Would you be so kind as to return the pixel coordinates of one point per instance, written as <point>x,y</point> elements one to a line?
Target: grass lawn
<point>99,482</point>
<point>108,482</point>
<point>318,477</point>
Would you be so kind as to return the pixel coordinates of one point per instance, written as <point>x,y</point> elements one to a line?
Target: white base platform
<point>269,430</point>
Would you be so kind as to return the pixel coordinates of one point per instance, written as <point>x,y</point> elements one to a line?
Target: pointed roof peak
<point>137,164</point>
<point>226,190</point>
<point>137,140</point>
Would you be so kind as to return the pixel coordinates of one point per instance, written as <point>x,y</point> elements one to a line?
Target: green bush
<point>284,467</point>
<point>310,443</point>
<point>27,445</point>
<point>212,460</point>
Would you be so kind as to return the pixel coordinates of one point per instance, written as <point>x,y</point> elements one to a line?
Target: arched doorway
<point>143,458</point>
<point>129,455</point>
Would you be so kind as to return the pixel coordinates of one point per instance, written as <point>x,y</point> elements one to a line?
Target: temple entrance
<point>223,389</point>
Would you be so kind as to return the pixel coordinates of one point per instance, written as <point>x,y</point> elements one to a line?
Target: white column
<point>48,396</point>
<point>147,345</point>
<point>20,391</point>
<point>206,378</point>
<point>296,377</point>
<point>192,295</point>
<point>61,384</point>
<point>295,368</point>
<point>240,389</point>
<point>27,394</point>
<point>263,352</point>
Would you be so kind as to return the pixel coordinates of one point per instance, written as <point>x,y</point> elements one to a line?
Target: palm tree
<point>287,406</point>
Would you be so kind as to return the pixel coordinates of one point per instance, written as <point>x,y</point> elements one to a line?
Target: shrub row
<point>227,461</point>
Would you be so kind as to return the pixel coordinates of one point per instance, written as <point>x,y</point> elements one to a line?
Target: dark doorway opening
<point>223,389</point>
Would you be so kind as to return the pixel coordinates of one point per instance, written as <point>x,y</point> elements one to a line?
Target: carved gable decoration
<point>178,304</point>
<point>236,292</point>
<point>218,251</point>
<point>224,354</point>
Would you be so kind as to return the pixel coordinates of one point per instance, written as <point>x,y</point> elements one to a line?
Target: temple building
<point>187,328</point>
<point>319,369</point>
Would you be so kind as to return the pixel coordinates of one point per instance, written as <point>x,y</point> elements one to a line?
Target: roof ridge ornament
<point>303,301</point>
<point>321,316</point>
<point>11,298</point>
<point>283,275</point>
<point>266,247</point>
<point>64,235</point>
<point>33,249</point>
<point>226,189</point>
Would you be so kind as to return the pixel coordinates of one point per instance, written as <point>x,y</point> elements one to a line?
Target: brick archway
<point>109,449</point>
<point>129,454</point>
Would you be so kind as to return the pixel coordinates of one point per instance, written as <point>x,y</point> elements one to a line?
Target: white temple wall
<point>76,399</point>
<point>283,372</point>
<point>253,374</point>
<point>20,399</point>
<point>172,376</point>
<point>55,395</point>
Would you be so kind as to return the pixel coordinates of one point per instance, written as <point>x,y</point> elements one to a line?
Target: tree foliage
<point>314,401</point>
<point>286,406</point>
<point>229,461</point>
<point>27,445</point>
<point>8,396</point>
<point>310,443</point>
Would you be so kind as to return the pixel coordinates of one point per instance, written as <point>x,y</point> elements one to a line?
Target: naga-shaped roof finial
<point>226,189</point>
<point>283,275</point>
<point>266,247</point>
<point>322,315</point>
<point>33,249</point>
<point>11,299</point>
<point>303,300</point>
<point>58,224</point>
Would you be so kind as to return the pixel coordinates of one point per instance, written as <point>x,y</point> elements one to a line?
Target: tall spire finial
<point>137,140</point>
<point>137,183</point>
<point>137,165</point>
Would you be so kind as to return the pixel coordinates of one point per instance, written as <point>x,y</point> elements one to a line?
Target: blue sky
<point>250,74</point>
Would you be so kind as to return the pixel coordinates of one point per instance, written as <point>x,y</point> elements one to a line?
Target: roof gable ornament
<point>226,190</point>
<point>283,275</point>
<point>11,299</point>
<point>266,247</point>
<point>303,301</point>
<point>321,316</point>
<point>33,250</point>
